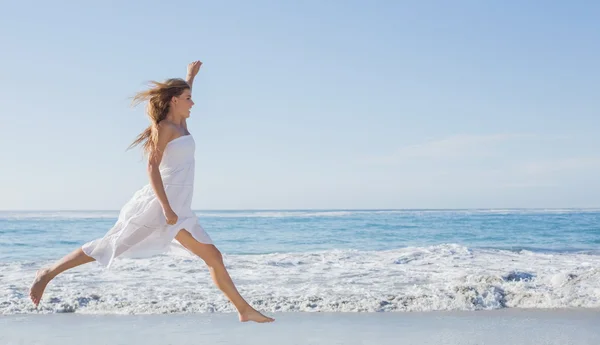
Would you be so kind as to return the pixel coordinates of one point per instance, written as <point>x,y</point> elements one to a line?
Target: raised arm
<point>192,70</point>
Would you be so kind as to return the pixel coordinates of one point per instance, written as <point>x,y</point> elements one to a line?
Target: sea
<point>368,261</point>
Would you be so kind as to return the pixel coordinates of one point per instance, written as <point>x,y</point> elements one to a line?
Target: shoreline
<point>505,326</point>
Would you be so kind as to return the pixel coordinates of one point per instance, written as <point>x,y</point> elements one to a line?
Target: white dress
<point>141,229</point>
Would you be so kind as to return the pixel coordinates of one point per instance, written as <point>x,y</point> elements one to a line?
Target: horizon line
<point>323,209</point>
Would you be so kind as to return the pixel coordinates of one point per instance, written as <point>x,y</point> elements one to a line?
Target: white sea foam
<point>443,277</point>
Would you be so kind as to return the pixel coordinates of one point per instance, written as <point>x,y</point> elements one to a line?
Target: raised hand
<point>193,68</point>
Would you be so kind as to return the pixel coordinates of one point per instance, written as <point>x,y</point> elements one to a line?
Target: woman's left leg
<point>214,260</point>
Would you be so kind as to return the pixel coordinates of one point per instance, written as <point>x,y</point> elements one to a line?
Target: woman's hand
<point>193,68</point>
<point>171,216</point>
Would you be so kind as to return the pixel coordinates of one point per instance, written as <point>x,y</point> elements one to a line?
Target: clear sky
<point>308,104</point>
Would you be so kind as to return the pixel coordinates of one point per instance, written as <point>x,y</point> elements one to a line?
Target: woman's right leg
<point>45,275</point>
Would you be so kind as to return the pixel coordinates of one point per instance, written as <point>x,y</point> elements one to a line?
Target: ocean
<point>320,261</point>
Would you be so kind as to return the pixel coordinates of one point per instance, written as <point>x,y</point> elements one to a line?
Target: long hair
<point>159,97</point>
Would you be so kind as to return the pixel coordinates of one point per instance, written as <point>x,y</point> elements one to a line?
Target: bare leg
<point>45,275</point>
<point>213,259</point>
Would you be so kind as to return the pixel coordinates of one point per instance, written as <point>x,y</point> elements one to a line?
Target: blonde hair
<point>159,97</point>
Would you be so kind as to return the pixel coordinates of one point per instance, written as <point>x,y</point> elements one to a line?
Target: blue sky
<point>312,104</point>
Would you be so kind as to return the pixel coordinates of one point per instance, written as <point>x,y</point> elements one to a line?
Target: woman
<point>159,218</point>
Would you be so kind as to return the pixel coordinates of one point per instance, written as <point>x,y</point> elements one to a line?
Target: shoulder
<point>166,130</point>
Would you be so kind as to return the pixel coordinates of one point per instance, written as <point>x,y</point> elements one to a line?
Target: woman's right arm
<point>165,133</point>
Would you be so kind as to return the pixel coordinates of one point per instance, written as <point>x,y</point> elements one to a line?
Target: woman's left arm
<point>192,69</point>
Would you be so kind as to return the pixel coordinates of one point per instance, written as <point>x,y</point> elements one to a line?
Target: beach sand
<point>508,326</point>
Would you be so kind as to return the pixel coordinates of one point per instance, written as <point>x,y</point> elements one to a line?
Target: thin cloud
<point>560,165</point>
<point>452,147</point>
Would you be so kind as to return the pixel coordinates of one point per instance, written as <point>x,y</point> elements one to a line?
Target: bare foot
<point>39,285</point>
<point>253,315</point>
